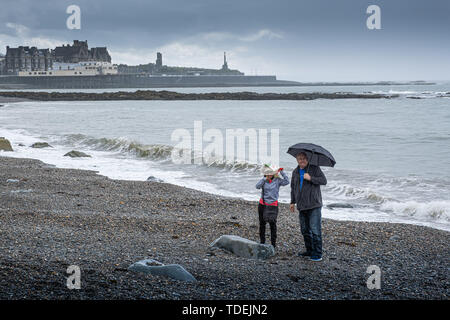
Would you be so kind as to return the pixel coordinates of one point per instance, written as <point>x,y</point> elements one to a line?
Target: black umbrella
<point>317,155</point>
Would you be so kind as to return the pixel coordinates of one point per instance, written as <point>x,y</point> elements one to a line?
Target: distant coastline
<point>171,95</point>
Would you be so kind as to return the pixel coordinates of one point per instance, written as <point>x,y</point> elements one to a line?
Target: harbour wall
<point>136,81</point>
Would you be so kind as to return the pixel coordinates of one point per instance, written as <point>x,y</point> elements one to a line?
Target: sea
<point>392,155</point>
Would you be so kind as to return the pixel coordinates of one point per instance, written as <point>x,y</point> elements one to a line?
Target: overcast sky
<point>312,40</point>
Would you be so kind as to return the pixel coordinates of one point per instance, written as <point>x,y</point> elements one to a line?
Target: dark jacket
<point>310,196</point>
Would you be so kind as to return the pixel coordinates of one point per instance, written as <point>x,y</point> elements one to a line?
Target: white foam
<point>438,211</point>
<point>414,94</point>
<point>345,192</point>
<point>114,165</point>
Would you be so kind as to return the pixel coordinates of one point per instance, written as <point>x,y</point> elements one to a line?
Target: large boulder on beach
<point>76,154</point>
<point>40,145</point>
<point>5,145</point>
<point>243,247</point>
<point>153,267</point>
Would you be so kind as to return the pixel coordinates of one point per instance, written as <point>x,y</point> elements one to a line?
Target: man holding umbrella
<point>305,193</point>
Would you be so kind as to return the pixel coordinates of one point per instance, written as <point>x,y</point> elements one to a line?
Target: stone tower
<point>158,60</point>
<point>225,64</point>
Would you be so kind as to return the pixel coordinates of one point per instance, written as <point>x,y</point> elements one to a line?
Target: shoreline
<point>171,95</point>
<point>52,218</point>
<point>412,222</point>
<point>11,99</point>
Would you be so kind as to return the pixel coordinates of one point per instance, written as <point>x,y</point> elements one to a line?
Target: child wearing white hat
<point>268,204</point>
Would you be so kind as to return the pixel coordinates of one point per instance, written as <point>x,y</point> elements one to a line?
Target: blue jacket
<point>271,189</point>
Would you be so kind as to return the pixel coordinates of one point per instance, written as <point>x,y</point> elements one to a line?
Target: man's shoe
<point>315,258</point>
<point>304,254</point>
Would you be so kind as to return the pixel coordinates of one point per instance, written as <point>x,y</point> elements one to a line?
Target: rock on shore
<point>5,145</point>
<point>76,154</point>
<point>40,145</point>
<point>174,271</point>
<point>244,247</point>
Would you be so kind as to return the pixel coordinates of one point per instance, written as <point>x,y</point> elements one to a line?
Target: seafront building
<point>83,68</point>
<point>79,52</point>
<point>25,59</point>
<point>78,59</point>
<point>2,63</point>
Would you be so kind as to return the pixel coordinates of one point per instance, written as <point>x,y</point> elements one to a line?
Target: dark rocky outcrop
<point>170,95</point>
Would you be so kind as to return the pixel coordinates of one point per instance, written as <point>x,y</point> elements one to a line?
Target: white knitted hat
<point>269,170</point>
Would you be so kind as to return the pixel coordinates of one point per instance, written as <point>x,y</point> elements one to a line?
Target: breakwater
<point>137,81</point>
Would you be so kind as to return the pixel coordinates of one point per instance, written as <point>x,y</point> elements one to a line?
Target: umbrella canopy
<point>317,155</point>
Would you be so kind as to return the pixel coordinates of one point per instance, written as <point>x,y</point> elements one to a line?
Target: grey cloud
<point>282,35</point>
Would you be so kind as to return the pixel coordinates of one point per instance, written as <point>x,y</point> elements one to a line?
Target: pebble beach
<point>52,218</point>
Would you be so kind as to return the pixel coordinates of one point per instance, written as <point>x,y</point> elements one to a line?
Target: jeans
<point>262,225</point>
<point>311,228</point>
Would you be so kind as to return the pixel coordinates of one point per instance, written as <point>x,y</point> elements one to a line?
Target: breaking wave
<point>438,211</point>
<point>355,193</point>
<point>416,94</point>
<point>153,151</point>
<point>157,152</point>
